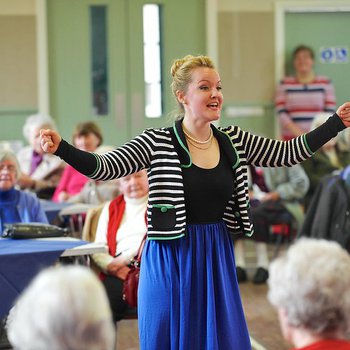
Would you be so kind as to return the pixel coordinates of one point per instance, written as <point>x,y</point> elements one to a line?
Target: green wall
<point>183,32</point>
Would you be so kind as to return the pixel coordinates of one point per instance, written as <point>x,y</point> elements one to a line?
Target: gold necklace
<point>198,141</point>
<point>201,148</point>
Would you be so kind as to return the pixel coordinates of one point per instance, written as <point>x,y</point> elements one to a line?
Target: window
<point>152,60</point>
<point>99,69</point>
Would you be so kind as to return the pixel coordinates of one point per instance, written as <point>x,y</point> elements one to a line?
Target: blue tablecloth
<point>21,260</point>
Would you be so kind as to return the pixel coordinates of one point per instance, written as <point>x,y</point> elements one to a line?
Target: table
<point>52,209</point>
<point>22,259</point>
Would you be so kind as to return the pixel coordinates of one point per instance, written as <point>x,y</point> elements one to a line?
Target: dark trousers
<point>266,214</point>
<point>114,289</point>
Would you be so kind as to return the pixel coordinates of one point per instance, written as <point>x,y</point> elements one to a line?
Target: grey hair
<point>35,121</point>
<point>6,154</point>
<point>312,282</point>
<point>64,308</point>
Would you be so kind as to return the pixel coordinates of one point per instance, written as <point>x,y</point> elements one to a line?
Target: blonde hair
<point>181,71</point>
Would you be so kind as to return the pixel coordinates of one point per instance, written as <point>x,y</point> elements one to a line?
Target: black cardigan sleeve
<point>85,162</point>
<point>321,135</point>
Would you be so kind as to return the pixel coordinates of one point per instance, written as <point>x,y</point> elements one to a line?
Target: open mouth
<point>213,105</point>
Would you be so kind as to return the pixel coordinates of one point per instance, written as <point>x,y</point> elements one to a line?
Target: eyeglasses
<point>9,168</point>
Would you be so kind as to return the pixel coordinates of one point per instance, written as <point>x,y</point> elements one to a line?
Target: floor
<point>261,317</point>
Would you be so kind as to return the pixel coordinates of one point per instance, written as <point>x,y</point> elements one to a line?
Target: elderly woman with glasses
<point>16,205</point>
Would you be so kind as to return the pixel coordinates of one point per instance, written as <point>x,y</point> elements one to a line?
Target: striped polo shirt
<point>301,102</point>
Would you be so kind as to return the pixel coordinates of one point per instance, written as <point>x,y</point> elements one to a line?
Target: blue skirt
<point>188,295</point>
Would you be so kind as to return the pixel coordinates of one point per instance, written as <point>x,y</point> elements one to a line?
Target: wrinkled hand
<point>118,267</point>
<point>344,113</point>
<point>49,140</point>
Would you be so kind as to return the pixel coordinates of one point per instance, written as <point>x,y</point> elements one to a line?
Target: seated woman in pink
<point>87,136</point>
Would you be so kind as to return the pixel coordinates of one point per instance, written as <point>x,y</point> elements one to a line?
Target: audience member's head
<point>310,287</point>
<point>87,136</point>
<point>64,308</point>
<point>303,59</point>
<point>32,126</point>
<point>134,185</point>
<point>9,170</point>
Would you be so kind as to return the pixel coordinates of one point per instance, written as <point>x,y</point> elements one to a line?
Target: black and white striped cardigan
<point>164,152</point>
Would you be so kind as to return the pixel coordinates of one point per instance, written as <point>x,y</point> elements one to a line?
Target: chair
<point>75,215</point>
<point>91,222</point>
<point>284,231</point>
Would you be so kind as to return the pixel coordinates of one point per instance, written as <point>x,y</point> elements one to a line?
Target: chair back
<point>91,222</point>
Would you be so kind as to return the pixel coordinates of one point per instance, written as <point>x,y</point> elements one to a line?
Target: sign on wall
<point>334,54</point>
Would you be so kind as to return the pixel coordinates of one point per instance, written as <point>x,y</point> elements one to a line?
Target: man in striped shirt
<point>299,98</point>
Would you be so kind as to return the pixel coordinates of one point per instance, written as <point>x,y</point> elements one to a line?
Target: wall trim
<point>212,30</point>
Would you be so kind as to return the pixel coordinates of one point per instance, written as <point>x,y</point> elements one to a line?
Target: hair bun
<point>178,63</point>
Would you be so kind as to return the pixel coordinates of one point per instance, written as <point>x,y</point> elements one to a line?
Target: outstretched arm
<point>129,158</point>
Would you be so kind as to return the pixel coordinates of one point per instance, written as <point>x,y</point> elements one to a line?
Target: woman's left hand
<point>344,113</point>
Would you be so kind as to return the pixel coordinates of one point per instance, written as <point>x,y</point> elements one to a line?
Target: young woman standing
<point>198,192</point>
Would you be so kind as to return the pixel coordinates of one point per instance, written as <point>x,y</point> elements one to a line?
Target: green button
<point>237,215</point>
<point>164,209</point>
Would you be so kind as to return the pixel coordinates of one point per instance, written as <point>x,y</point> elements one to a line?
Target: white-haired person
<point>310,287</point>
<point>16,205</point>
<point>63,308</point>
<point>41,172</point>
<point>122,226</point>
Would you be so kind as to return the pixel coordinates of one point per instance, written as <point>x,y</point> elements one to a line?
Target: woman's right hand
<point>49,140</point>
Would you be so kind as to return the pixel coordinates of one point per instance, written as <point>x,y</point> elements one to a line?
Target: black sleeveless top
<point>207,191</point>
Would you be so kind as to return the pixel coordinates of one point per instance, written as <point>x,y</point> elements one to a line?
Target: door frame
<point>281,10</point>
<point>284,7</point>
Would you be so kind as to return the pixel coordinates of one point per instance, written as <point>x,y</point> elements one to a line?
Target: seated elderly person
<point>41,171</point>
<point>64,308</point>
<point>122,226</point>
<point>16,205</point>
<point>87,136</point>
<point>310,287</point>
<point>285,188</point>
